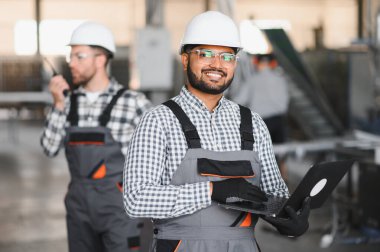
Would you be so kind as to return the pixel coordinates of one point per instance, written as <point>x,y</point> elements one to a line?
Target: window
<point>54,36</point>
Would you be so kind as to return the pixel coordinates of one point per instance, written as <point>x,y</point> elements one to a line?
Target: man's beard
<point>200,85</point>
<point>81,80</point>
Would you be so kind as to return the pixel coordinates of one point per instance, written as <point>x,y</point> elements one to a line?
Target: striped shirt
<point>124,117</point>
<point>158,146</point>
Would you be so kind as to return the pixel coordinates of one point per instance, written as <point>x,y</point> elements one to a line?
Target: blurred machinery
<point>334,97</point>
<point>20,73</point>
<point>309,106</point>
<point>153,71</point>
<point>369,206</point>
<point>154,59</point>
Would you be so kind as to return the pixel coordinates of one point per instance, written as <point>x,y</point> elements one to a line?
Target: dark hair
<point>188,48</point>
<point>266,56</point>
<point>269,58</point>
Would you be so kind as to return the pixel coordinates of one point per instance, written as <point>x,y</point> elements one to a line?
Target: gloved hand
<point>237,189</point>
<point>297,223</point>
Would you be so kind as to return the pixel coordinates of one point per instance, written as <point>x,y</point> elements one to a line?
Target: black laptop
<point>318,183</point>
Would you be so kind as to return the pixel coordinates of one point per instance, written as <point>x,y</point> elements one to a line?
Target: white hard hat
<point>94,34</point>
<point>211,28</point>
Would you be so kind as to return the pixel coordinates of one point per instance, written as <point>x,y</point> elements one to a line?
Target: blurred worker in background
<point>94,123</point>
<point>265,91</point>
<point>199,149</point>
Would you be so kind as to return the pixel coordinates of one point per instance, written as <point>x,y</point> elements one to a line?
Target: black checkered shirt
<point>124,117</point>
<point>158,146</point>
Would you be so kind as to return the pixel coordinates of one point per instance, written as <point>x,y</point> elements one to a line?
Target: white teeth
<point>214,75</point>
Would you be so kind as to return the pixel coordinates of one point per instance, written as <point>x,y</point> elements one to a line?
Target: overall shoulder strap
<point>191,133</point>
<point>106,115</point>
<point>73,116</point>
<point>246,129</point>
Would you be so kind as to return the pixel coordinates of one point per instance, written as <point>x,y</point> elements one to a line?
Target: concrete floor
<point>32,214</point>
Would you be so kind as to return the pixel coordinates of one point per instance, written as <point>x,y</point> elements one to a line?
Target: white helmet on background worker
<point>211,28</point>
<point>93,34</point>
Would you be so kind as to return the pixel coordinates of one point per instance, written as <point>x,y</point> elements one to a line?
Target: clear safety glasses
<point>206,56</point>
<point>80,56</point>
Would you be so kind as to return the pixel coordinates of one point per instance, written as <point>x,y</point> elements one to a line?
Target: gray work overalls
<point>96,219</point>
<point>212,229</point>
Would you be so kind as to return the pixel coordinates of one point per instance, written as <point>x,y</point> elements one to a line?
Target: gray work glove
<point>237,189</point>
<point>297,223</point>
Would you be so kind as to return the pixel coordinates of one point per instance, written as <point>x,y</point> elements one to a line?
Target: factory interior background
<point>329,51</point>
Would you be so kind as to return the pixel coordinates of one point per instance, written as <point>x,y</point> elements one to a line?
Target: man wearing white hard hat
<point>94,123</point>
<point>198,149</point>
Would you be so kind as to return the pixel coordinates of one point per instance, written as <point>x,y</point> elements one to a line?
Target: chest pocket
<point>86,138</point>
<point>225,169</point>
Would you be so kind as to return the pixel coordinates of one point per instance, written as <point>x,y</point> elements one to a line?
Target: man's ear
<point>185,60</point>
<point>101,61</point>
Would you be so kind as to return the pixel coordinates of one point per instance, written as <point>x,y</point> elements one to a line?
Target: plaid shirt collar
<point>111,89</point>
<point>196,103</point>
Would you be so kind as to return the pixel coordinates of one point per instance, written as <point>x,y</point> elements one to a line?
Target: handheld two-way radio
<point>55,73</point>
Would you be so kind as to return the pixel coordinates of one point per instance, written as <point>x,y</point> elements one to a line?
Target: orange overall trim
<point>219,176</point>
<point>176,248</point>
<point>100,173</point>
<point>86,142</point>
<point>247,221</point>
<point>135,248</point>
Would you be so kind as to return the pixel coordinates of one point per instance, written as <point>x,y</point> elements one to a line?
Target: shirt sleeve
<point>134,109</point>
<point>271,180</point>
<point>144,193</point>
<point>53,132</point>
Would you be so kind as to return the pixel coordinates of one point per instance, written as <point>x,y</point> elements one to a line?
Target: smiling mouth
<point>214,74</point>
